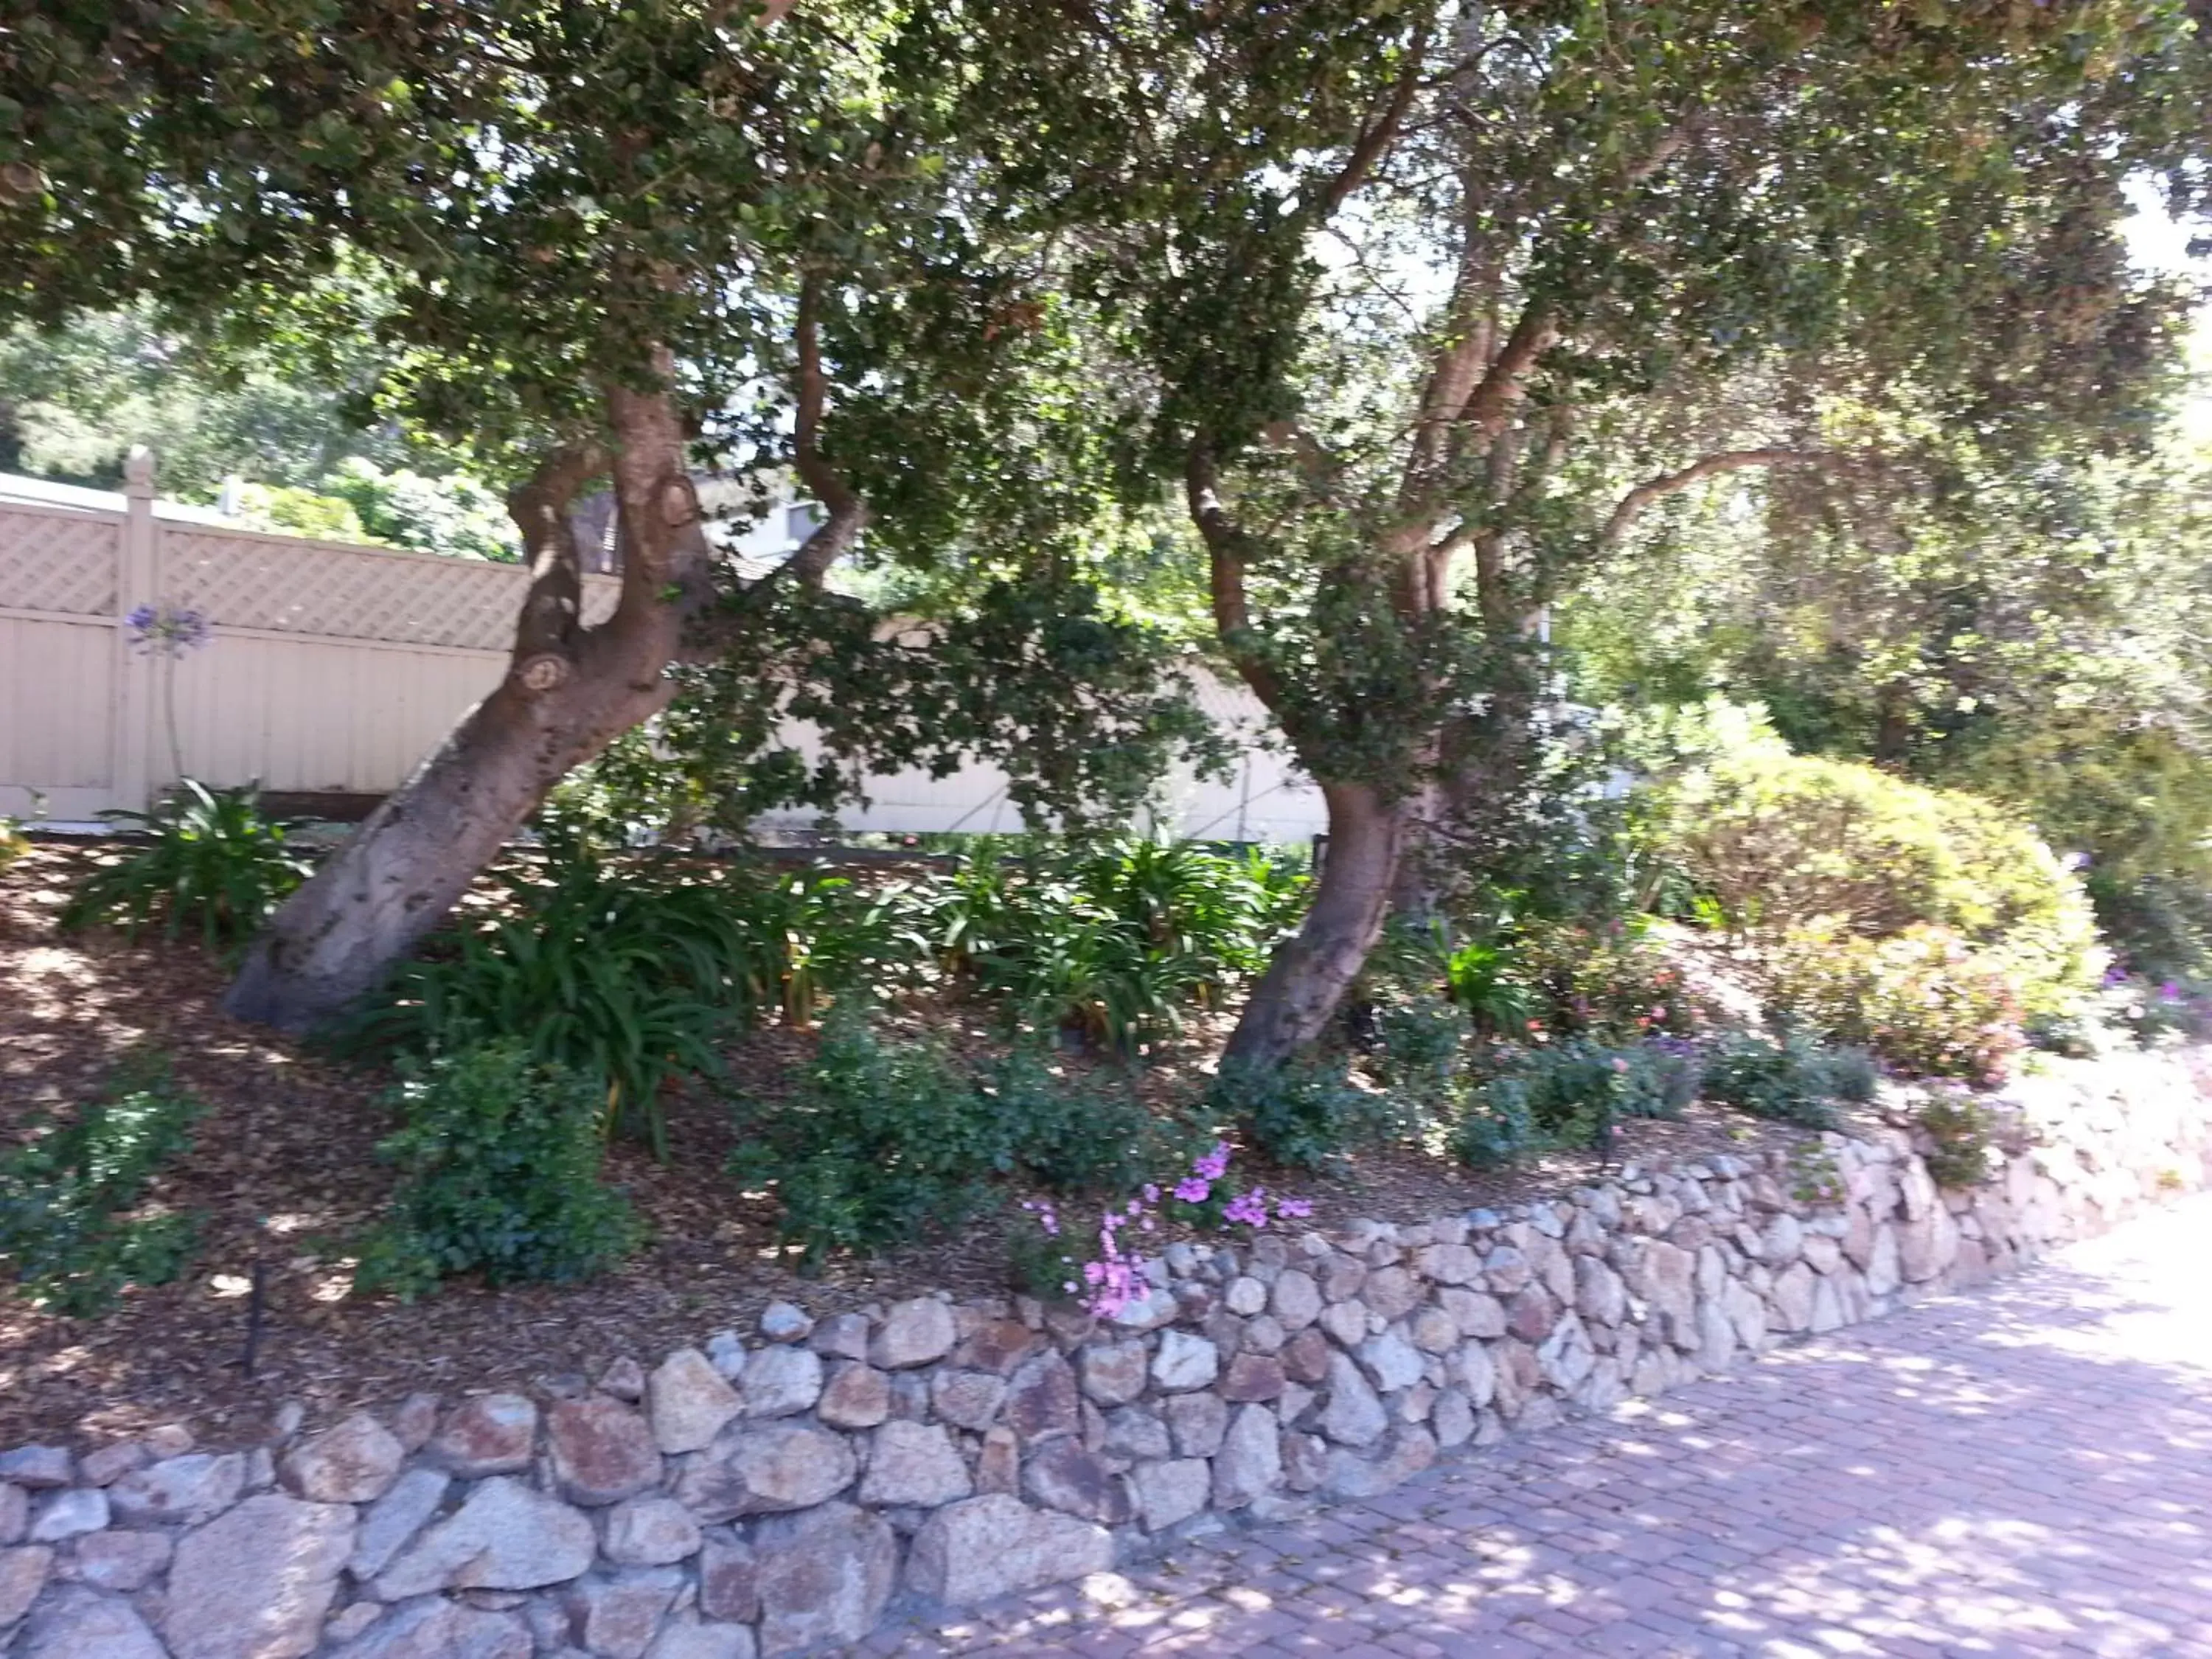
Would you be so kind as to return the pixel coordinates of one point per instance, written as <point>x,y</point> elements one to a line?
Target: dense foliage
<point>1792,1079</point>
<point>885,1140</point>
<point>77,1229</point>
<point>1426,368</point>
<point>1783,842</point>
<point>211,863</point>
<point>634,969</point>
<point>498,1158</point>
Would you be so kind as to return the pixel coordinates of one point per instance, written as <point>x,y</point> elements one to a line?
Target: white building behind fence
<point>333,668</point>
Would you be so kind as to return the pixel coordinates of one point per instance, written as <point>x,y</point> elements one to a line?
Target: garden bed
<point>283,1171</point>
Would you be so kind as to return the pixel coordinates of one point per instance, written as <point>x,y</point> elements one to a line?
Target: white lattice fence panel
<point>59,562</point>
<point>315,587</point>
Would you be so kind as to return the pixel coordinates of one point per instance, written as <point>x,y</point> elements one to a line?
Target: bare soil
<point>282,1174</point>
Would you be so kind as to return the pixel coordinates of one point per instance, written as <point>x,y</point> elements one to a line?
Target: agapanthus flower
<point>166,630</point>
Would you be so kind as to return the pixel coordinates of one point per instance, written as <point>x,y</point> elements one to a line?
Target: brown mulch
<point>282,1174</point>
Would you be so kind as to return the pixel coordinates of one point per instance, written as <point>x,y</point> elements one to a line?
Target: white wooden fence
<point>333,668</point>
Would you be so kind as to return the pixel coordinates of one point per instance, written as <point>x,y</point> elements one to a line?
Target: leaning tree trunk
<point>1299,994</point>
<point>568,692</point>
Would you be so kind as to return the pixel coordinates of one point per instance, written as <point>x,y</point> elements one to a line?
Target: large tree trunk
<point>570,691</point>
<point>1299,994</point>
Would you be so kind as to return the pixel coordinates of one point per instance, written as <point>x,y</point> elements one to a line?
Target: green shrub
<point>1923,1000</point>
<point>1305,1112</point>
<point>886,1140</point>
<point>1532,974</point>
<point>1793,1081</point>
<point>498,1158</point>
<point>881,1143</point>
<point>817,935</point>
<point>1074,969</point>
<point>1072,1136</point>
<point>1961,1135</point>
<point>1496,1129</point>
<point>1783,842</point>
<point>75,1231</point>
<point>212,862</point>
<point>1569,1094</point>
<point>1487,979</point>
<point>1419,1046</point>
<point>1612,983</point>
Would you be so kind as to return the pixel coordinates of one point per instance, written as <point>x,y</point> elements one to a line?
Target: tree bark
<point>568,692</point>
<point>1298,995</point>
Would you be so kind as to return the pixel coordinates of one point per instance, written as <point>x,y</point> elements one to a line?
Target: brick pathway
<point>2025,1471</point>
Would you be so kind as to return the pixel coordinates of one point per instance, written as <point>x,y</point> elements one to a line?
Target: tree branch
<point>1225,545</point>
<point>1491,402</point>
<point>1376,138</point>
<point>1500,391</point>
<point>848,513</point>
<point>1633,504</point>
<point>545,632</point>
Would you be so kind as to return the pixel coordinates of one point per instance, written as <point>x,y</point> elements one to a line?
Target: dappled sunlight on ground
<point>2025,1471</point>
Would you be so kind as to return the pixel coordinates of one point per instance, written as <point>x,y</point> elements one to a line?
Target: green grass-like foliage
<point>211,862</point>
<point>885,1141</point>
<point>635,970</point>
<point>629,977</point>
<point>499,1158</point>
<point>1115,942</point>
<point>1794,1080</point>
<point>68,1235</point>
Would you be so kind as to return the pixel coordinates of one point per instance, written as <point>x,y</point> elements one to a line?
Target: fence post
<point>138,582</point>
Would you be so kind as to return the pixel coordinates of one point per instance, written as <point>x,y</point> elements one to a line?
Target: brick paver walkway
<point>2025,1471</point>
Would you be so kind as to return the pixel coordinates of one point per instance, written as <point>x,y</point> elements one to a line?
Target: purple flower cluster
<point>1116,1280</point>
<point>166,630</point>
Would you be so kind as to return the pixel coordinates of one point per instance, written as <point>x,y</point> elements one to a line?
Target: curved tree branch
<point>1491,404</point>
<point>552,609</point>
<point>1226,544</point>
<point>1377,136</point>
<point>848,513</point>
<point>1633,504</point>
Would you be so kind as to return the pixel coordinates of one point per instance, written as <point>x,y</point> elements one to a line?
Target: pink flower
<point>1211,1165</point>
<point>1192,1190</point>
<point>1249,1208</point>
<point>1292,1209</point>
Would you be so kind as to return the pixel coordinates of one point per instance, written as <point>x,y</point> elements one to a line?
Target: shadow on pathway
<point>2027,1470</point>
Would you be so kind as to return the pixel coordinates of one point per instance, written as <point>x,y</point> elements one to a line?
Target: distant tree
<point>74,397</point>
<point>576,239</point>
<point>2040,640</point>
<point>1425,307</point>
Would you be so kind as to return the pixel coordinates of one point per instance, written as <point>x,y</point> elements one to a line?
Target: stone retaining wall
<point>793,1489</point>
